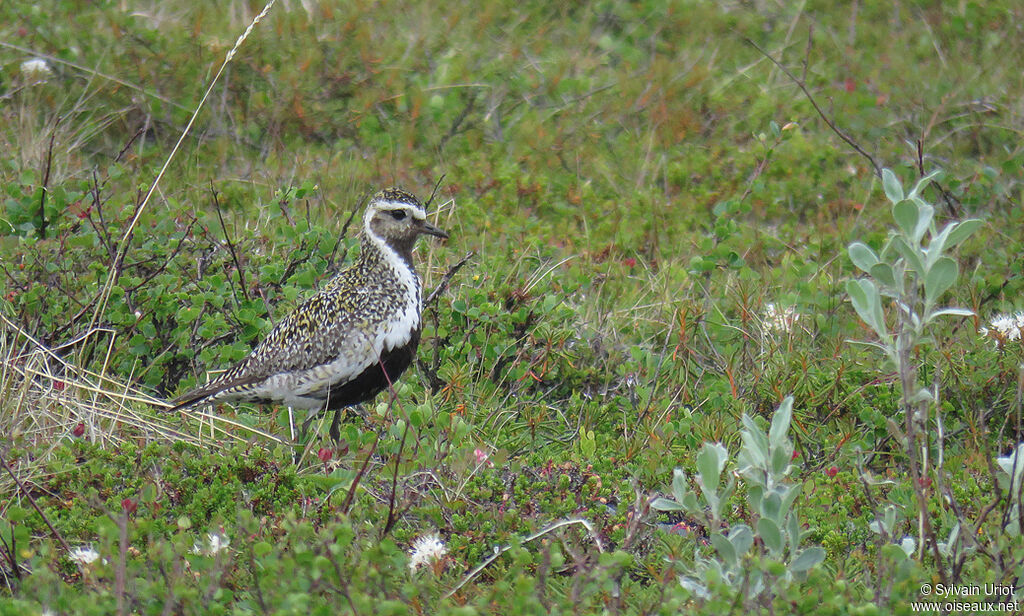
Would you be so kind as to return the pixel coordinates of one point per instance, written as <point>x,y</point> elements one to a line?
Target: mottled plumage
<point>345,343</point>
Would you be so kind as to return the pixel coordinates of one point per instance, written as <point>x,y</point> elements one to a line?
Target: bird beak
<point>429,229</point>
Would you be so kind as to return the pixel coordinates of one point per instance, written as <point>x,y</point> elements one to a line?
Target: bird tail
<point>209,392</point>
<point>192,398</point>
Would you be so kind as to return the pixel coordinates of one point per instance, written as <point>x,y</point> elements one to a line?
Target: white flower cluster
<point>215,542</point>
<point>36,68</point>
<point>779,320</point>
<point>84,555</point>
<point>1004,328</point>
<point>426,549</point>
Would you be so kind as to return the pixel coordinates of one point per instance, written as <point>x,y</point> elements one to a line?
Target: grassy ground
<point>658,201</point>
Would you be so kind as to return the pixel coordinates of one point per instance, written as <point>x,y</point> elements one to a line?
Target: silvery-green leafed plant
<point>1011,480</point>
<point>913,274</point>
<point>763,462</point>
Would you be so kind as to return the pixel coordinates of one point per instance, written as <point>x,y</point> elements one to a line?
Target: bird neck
<point>376,252</point>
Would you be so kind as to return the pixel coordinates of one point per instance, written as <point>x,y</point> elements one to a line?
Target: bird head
<point>397,218</point>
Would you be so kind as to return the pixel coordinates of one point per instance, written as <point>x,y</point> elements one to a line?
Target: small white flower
<point>1004,328</point>
<point>779,319</point>
<point>426,549</point>
<point>85,555</point>
<point>36,68</point>
<point>215,542</point>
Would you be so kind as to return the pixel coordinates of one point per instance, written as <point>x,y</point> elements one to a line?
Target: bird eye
<point>397,214</point>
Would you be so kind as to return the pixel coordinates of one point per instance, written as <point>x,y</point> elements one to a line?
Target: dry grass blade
<point>112,276</point>
<point>44,398</point>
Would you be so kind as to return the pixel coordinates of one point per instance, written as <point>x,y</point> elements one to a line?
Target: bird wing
<point>335,326</point>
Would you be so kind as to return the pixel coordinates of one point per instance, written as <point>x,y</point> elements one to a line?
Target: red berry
<point>79,429</point>
<point>629,262</point>
<point>832,471</point>
<point>129,505</point>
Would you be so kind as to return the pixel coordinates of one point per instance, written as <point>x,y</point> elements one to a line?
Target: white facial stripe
<point>414,211</point>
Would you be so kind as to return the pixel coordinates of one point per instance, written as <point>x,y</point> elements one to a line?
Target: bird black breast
<point>374,379</point>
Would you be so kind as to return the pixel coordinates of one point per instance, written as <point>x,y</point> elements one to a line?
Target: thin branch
<point>499,550</point>
<point>127,145</point>
<point>231,245</point>
<point>32,501</point>
<point>951,201</point>
<point>46,181</point>
<point>803,88</point>
<point>392,516</point>
<point>101,305</point>
<point>434,192</point>
<point>447,278</point>
<point>337,243</point>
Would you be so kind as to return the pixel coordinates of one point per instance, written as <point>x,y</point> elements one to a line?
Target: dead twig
<point>46,181</point>
<point>231,245</point>
<point>32,501</point>
<point>499,550</point>
<point>814,103</point>
<point>447,278</point>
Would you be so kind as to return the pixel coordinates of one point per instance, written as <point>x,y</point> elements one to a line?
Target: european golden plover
<point>352,339</point>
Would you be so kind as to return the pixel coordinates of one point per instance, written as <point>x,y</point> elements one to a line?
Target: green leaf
<point>893,552</point>
<point>868,304</point>
<point>807,559</point>
<point>922,395</point>
<point>925,213</point>
<point>792,491</point>
<point>261,549</point>
<point>940,277</point>
<point>666,504</point>
<point>781,457</point>
<point>793,531</point>
<point>946,547</point>
<point>755,444</point>
<point>741,539</point>
<point>956,312</point>
<point>862,256</point>
<point>883,273</point>
<point>771,506</point>
<point>962,231</point>
<point>938,245</point>
<point>889,518</point>
<point>912,255</point>
<point>680,487</point>
<point>769,533</point>
<point>891,184</point>
<point>724,548</point>
<point>922,183</point>
<point>780,423</point>
<point>755,493</point>
<point>906,215</point>
<point>710,462</point>
<point>16,514</point>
